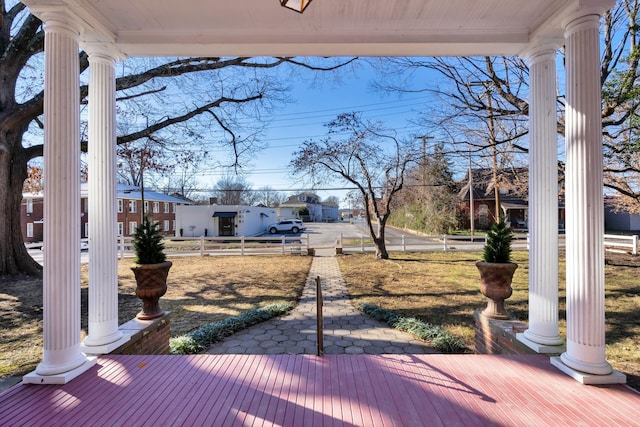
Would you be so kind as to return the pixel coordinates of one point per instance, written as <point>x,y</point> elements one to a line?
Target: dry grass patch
<point>443,289</point>
<point>201,290</point>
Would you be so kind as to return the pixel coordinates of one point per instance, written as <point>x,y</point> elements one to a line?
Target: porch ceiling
<point>328,27</point>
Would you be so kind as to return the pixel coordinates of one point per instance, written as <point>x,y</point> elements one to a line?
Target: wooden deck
<point>305,390</point>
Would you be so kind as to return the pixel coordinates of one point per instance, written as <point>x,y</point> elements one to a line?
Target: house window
<point>146,206</point>
<point>30,207</point>
<point>166,207</point>
<point>173,224</point>
<point>132,227</point>
<point>174,207</point>
<point>29,229</point>
<point>120,206</point>
<point>156,207</point>
<point>120,229</point>
<point>133,206</point>
<point>166,225</point>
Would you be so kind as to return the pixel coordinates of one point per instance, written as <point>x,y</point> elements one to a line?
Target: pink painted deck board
<point>334,390</point>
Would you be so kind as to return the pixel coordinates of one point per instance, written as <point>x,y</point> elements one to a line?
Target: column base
<point>541,348</point>
<point>104,348</point>
<point>614,377</point>
<point>62,378</point>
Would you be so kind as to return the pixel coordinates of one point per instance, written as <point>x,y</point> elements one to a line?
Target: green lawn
<point>443,289</point>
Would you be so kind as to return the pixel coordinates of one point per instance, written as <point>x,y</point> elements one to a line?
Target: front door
<point>225,227</point>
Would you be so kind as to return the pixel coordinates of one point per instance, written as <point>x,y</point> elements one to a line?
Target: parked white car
<point>287,225</point>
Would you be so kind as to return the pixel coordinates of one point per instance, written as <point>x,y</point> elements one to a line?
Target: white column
<point>584,204</point>
<point>104,335</point>
<point>62,358</point>
<point>542,334</point>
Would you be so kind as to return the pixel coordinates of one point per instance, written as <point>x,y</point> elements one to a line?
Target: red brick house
<point>161,207</point>
<point>513,199</point>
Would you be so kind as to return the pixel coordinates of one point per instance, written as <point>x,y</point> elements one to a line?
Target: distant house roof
<point>131,192</point>
<point>125,191</point>
<point>307,198</point>
<point>515,180</point>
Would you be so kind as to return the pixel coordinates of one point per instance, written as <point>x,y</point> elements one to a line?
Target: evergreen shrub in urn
<point>496,270</point>
<point>151,269</point>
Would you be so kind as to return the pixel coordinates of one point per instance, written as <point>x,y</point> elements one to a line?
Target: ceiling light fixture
<point>297,5</point>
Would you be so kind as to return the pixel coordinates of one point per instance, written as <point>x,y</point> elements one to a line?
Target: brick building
<point>161,207</point>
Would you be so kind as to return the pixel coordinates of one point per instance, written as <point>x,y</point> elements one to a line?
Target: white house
<point>223,220</point>
<point>317,211</point>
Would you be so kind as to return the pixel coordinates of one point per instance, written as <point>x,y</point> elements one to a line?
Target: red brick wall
<point>147,336</point>
<point>499,336</point>
<point>35,218</point>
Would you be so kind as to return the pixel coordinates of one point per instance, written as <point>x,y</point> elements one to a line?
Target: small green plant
<point>440,339</point>
<point>201,338</point>
<point>498,246</point>
<point>147,243</point>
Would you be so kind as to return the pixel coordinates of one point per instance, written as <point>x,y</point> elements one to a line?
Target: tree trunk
<point>14,257</point>
<point>381,246</point>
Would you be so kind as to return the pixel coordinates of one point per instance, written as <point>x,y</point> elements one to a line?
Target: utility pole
<point>492,140</point>
<point>494,156</point>
<point>424,158</point>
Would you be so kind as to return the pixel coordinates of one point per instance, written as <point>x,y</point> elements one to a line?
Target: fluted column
<point>62,358</point>
<point>542,334</point>
<point>584,200</point>
<point>103,335</point>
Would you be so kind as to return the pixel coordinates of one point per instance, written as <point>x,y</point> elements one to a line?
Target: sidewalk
<point>346,330</point>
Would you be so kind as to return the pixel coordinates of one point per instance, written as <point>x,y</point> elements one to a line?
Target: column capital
<point>542,50</point>
<point>104,52</point>
<point>590,10</point>
<point>59,19</point>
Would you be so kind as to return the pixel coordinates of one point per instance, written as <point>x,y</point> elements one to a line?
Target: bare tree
<point>151,89</point>
<point>370,157</point>
<point>621,101</point>
<point>464,108</point>
<point>479,106</point>
<point>332,201</point>
<point>233,190</point>
<point>268,196</point>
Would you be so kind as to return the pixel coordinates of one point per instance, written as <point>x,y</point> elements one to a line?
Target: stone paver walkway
<point>346,330</point>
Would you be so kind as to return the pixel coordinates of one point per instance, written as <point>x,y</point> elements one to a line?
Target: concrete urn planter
<point>495,284</point>
<point>151,281</point>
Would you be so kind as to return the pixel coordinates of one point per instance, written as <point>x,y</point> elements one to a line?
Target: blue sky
<point>305,118</point>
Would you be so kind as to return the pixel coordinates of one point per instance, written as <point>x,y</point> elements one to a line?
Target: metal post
<point>319,331</point>
<point>201,245</point>
<point>283,241</point>
<point>362,243</point>
<point>472,218</point>
<point>635,245</point>
<point>242,245</point>
<point>404,244</point>
<point>444,243</point>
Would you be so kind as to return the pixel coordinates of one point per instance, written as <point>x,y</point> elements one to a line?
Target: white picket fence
<point>361,243</point>
<point>618,243</point>
<point>226,245</point>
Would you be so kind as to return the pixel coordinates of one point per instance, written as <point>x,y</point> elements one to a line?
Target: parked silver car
<point>287,225</point>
